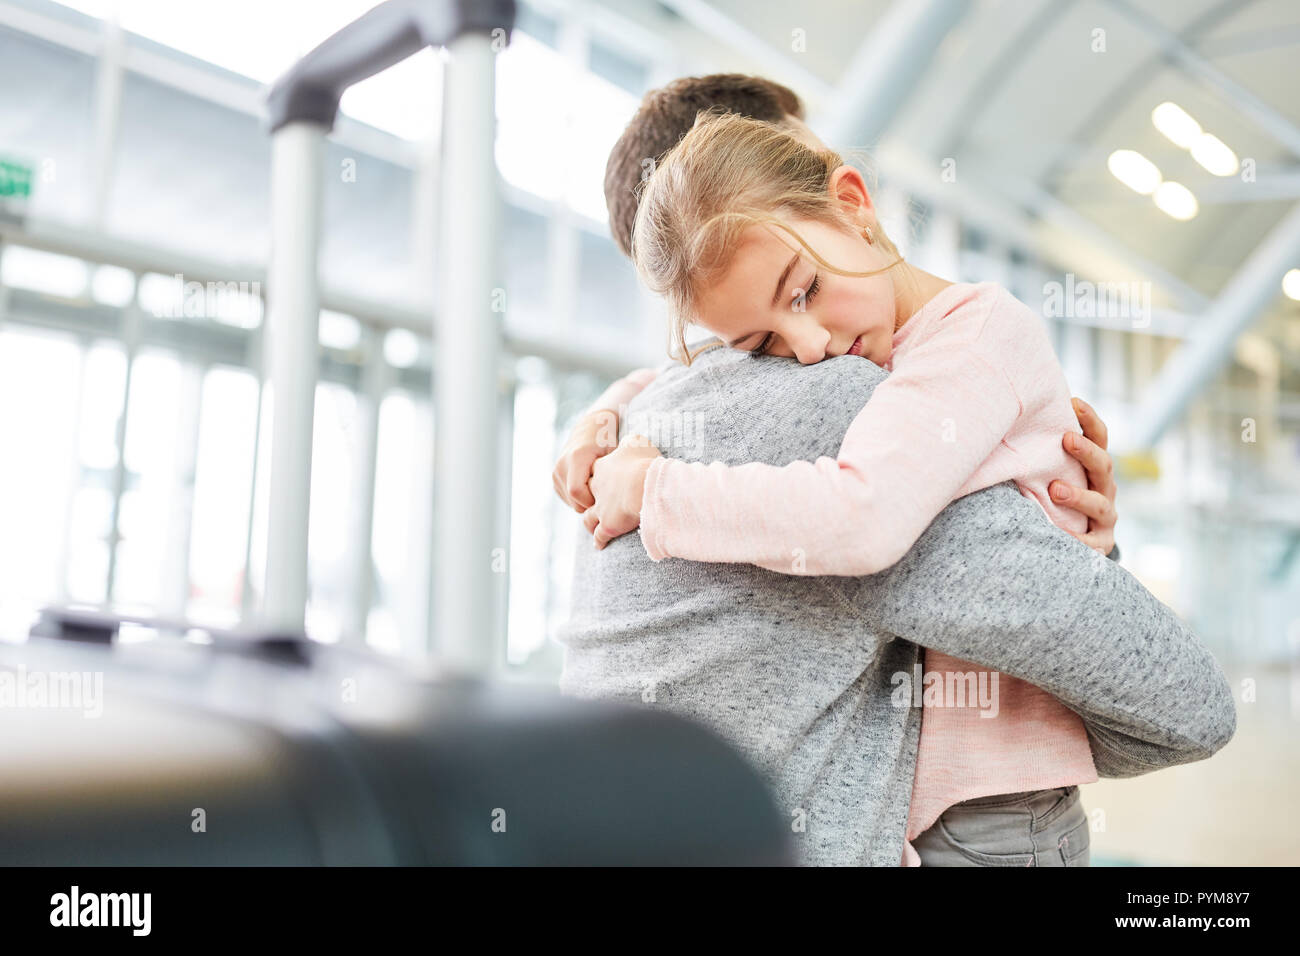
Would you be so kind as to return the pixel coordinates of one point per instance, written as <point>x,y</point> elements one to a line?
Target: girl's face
<point>774,299</point>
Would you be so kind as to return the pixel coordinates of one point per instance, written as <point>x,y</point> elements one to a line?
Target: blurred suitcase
<point>275,750</point>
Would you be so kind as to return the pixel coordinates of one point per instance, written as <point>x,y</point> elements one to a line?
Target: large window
<point>137,435</point>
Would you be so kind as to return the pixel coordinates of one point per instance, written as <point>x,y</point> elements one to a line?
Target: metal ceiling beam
<point>736,36</point>
<point>1001,35</point>
<point>1280,186</point>
<point>1215,80</point>
<point>1269,187</point>
<point>1239,304</point>
<point>889,64</point>
<point>1252,41</point>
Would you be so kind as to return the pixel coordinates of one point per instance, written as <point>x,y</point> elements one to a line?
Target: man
<point>803,674</point>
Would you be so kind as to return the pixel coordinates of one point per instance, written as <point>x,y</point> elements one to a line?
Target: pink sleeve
<point>623,391</point>
<point>907,453</point>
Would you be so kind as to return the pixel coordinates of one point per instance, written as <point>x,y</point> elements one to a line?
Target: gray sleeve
<point>991,581</point>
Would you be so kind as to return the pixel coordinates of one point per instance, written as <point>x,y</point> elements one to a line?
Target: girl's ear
<point>850,190</point>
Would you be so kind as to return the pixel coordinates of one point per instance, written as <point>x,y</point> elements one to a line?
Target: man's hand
<point>618,483</point>
<point>595,435</point>
<point>1098,500</point>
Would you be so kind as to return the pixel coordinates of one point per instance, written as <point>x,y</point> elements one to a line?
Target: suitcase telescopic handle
<point>389,33</point>
<point>95,626</point>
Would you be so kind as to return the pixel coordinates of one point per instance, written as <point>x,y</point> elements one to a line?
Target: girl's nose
<point>809,346</point>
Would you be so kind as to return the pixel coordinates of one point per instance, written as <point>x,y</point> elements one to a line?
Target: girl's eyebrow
<point>780,284</point>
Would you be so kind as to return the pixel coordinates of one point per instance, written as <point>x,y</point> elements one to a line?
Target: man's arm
<point>991,582</point>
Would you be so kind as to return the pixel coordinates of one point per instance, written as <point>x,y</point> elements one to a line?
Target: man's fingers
<point>1093,427</point>
<point>1091,540</point>
<point>1094,504</point>
<point>590,519</point>
<point>1095,459</point>
<point>601,536</point>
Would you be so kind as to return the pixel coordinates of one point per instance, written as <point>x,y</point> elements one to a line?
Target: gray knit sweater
<point>799,672</point>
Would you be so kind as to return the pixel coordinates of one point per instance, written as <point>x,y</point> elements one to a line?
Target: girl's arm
<point>906,455</point>
<point>594,435</point>
<point>623,391</point>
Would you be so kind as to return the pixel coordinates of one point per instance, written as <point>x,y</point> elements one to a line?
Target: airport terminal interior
<point>1129,169</point>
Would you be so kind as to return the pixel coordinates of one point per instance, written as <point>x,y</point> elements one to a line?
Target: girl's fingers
<point>572,489</point>
<point>581,495</point>
<point>558,484</point>
<point>590,520</point>
<point>1094,429</point>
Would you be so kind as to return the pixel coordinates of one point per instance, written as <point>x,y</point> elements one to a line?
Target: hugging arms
<point>594,463</point>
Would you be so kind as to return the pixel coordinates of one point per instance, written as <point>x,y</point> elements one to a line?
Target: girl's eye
<point>812,289</point>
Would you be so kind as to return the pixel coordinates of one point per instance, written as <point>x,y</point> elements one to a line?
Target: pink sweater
<point>975,397</point>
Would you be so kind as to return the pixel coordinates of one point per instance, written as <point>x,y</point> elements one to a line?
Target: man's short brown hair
<point>665,116</point>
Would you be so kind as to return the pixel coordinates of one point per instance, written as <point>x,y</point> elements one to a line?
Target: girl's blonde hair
<point>728,173</point>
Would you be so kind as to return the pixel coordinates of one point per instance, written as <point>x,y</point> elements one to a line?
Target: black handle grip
<point>372,43</point>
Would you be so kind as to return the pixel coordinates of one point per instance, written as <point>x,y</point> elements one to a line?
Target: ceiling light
<point>1172,120</point>
<point>1291,284</point>
<point>1176,200</point>
<point>1134,170</point>
<point>1212,153</point>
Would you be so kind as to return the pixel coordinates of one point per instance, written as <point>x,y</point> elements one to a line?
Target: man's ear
<point>848,186</point>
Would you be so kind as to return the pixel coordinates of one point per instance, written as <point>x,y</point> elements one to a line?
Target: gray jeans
<point>1032,828</point>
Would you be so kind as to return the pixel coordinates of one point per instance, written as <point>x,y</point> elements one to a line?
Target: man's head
<point>667,114</point>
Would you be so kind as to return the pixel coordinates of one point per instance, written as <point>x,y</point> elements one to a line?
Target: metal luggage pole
<point>291,332</point>
<point>467,343</point>
<point>302,107</point>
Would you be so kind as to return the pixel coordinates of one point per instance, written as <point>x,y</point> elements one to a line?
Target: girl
<point>773,245</point>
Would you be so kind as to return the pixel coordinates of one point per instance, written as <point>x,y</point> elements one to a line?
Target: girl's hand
<point>618,484</point>
<point>593,436</point>
<point>1098,501</point>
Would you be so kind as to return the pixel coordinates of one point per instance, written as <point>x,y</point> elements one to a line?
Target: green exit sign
<point>15,179</point>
